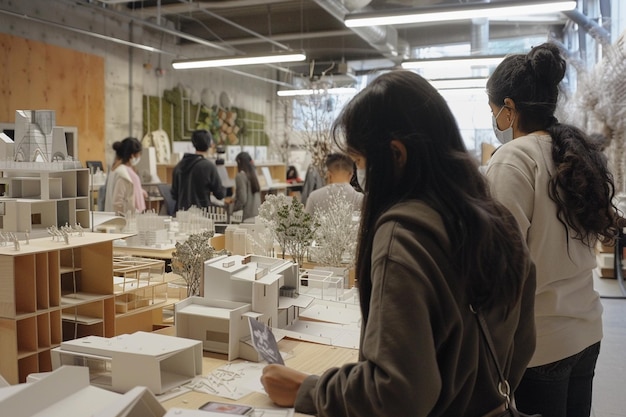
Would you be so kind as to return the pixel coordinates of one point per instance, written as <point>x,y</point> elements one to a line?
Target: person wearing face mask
<point>195,177</point>
<point>506,135</point>
<point>123,191</point>
<point>556,183</point>
<point>432,242</point>
<point>339,171</point>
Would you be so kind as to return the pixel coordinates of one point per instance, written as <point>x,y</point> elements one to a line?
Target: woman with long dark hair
<point>247,189</point>
<point>123,190</point>
<point>432,242</point>
<point>556,183</point>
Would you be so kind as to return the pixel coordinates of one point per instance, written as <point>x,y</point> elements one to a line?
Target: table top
<point>217,241</point>
<point>306,357</point>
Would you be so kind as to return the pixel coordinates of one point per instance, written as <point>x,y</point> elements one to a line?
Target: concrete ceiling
<point>316,26</point>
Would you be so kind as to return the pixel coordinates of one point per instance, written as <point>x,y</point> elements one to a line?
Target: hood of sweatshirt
<point>417,214</point>
<point>188,161</point>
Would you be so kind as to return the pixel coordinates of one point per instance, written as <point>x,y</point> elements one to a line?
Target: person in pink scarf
<point>123,192</point>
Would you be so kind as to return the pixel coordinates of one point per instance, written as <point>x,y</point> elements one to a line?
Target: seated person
<point>292,175</point>
<point>195,177</point>
<point>294,178</point>
<point>340,169</point>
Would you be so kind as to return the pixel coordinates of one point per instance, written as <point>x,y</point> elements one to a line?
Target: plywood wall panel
<point>35,75</point>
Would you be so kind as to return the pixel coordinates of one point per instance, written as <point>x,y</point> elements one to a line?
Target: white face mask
<point>360,177</point>
<point>504,136</point>
<point>135,161</point>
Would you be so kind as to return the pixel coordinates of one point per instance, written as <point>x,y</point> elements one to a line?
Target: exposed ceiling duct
<point>383,38</point>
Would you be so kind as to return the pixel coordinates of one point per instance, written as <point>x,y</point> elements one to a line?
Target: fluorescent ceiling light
<point>453,62</point>
<point>314,91</point>
<point>240,60</point>
<point>459,83</point>
<point>461,12</point>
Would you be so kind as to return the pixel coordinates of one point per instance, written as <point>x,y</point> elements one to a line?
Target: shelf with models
<point>38,198</point>
<point>52,291</point>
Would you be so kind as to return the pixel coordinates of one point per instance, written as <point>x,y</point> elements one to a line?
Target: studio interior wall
<point>129,73</point>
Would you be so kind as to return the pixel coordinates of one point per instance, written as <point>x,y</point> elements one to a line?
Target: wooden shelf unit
<point>36,199</point>
<point>51,292</point>
<point>278,171</point>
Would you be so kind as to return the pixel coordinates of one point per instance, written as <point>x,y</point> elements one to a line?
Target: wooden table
<point>306,357</point>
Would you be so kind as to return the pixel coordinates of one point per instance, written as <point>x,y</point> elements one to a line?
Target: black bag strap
<point>503,385</point>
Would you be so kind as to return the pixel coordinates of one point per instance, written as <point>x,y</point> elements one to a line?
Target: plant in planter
<point>188,259</point>
<point>336,234</point>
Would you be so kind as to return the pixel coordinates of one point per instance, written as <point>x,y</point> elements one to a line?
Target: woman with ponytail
<point>556,183</point>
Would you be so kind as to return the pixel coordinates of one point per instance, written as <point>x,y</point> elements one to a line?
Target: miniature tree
<point>188,259</point>
<point>268,214</point>
<point>295,229</point>
<point>336,235</point>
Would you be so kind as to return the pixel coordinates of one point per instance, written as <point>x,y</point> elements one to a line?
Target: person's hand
<point>282,384</point>
<point>228,200</point>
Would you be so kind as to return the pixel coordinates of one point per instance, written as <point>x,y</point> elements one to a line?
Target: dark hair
<point>201,140</point>
<point>339,162</point>
<point>125,149</point>
<point>487,246</point>
<point>292,172</point>
<point>245,164</point>
<point>582,186</point>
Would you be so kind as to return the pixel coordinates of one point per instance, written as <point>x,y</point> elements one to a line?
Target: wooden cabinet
<point>277,170</point>
<point>51,292</point>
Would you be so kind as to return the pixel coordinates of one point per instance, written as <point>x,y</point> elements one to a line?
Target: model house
<point>237,288</point>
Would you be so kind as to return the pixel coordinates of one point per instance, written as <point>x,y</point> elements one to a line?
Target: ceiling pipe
<point>291,36</point>
<point>245,29</point>
<point>596,31</point>
<point>151,25</point>
<point>382,38</point>
<point>86,32</point>
<point>187,6</point>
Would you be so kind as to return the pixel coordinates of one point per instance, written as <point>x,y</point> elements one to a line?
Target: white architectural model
<point>39,187</point>
<point>37,139</point>
<point>67,392</point>
<point>246,238</point>
<point>237,287</point>
<point>6,147</point>
<point>120,363</point>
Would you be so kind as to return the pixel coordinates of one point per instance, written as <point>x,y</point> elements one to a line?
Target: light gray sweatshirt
<point>568,312</point>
